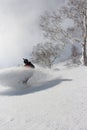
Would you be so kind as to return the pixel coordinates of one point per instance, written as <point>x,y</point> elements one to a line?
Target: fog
<point>19,28</point>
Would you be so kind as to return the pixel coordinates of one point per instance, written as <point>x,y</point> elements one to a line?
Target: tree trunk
<point>84,53</point>
<point>85,38</point>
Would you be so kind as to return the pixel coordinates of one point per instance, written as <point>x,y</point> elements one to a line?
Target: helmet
<point>25,61</point>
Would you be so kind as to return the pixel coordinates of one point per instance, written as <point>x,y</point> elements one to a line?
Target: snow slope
<point>52,100</point>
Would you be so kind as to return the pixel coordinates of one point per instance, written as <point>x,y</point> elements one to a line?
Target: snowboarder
<point>28,63</point>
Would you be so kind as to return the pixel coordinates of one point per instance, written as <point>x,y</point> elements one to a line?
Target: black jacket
<point>28,63</point>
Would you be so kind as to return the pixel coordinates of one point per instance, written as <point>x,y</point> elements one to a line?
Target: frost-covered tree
<point>75,51</point>
<point>77,11</point>
<point>45,53</point>
<point>51,25</point>
<point>75,55</point>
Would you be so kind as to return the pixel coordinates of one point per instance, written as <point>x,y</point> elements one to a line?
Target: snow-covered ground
<point>43,99</point>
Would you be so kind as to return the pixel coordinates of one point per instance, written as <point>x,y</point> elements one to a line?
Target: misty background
<point>19,28</point>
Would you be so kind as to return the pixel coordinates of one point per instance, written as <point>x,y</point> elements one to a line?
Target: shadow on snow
<point>23,91</point>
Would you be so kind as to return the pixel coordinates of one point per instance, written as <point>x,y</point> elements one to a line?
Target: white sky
<point>19,29</point>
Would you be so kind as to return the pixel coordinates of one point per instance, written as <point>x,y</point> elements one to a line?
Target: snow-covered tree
<point>45,53</point>
<point>75,51</point>
<point>51,25</point>
<point>77,11</point>
<point>75,55</point>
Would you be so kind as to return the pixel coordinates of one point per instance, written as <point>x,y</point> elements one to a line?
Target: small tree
<point>75,55</point>
<point>75,52</point>
<point>45,54</point>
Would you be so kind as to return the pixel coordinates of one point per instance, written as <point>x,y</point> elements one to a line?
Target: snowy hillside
<point>43,99</point>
